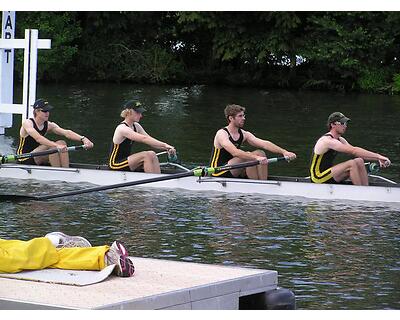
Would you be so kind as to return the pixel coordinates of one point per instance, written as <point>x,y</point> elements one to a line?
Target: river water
<point>338,255</point>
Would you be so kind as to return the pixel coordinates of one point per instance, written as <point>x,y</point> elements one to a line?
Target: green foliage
<point>373,80</point>
<point>396,83</point>
<point>339,50</point>
<point>153,64</point>
<point>350,45</point>
<point>249,37</point>
<point>63,31</point>
<point>129,46</point>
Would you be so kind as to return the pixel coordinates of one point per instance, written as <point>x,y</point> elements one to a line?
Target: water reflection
<point>331,255</point>
<point>6,145</point>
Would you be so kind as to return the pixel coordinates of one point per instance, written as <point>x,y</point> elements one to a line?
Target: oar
<point>197,172</point>
<point>13,157</point>
<point>373,168</point>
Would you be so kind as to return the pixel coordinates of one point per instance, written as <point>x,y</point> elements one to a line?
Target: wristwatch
<point>82,138</point>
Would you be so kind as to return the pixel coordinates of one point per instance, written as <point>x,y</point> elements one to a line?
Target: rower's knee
<point>61,142</point>
<point>259,153</point>
<point>151,155</point>
<point>357,163</point>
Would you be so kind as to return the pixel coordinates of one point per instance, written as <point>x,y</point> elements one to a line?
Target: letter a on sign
<point>8,24</point>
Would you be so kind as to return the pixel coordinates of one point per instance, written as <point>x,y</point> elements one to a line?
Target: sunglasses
<point>343,123</point>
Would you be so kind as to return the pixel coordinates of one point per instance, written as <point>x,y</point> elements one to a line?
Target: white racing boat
<point>381,190</point>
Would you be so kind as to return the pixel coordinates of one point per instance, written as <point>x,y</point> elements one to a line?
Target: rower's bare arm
<point>69,134</point>
<point>157,144</point>
<point>146,139</point>
<point>357,152</point>
<point>30,130</point>
<point>268,145</point>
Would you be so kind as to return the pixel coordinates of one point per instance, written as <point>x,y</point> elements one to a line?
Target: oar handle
<point>170,157</point>
<point>13,157</point>
<point>273,160</point>
<point>372,167</point>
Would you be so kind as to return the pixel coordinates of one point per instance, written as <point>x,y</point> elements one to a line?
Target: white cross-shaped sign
<point>30,44</point>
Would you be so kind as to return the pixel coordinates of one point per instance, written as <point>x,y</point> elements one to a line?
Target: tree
<point>62,29</point>
<point>350,49</point>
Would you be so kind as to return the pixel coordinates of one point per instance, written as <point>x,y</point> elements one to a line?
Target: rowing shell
<point>275,186</point>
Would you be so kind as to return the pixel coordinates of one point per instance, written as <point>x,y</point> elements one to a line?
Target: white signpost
<point>7,68</point>
<point>30,44</point>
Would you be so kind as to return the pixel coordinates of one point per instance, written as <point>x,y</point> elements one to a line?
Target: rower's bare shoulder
<point>325,140</point>
<point>322,144</point>
<point>123,130</point>
<point>221,136</point>
<point>221,133</point>
<point>52,125</point>
<point>27,123</point>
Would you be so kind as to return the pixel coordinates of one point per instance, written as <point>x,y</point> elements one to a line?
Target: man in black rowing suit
<point>329,145</point>
<point>129,131</point>
<point>227,143</point>
<point>32,137</point>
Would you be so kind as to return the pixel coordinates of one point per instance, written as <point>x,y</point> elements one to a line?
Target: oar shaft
<point>118,185</point>
<point>211,170</point>
<point>13,157</point>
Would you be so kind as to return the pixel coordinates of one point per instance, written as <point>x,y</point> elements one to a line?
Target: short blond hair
<point>233,110</point>
<point>126,112</point>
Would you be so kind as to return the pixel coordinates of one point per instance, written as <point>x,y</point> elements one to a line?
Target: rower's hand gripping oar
<point>171,157</point>
<point>14,157</point>
<point>197,172</point>
<point>373,169</point>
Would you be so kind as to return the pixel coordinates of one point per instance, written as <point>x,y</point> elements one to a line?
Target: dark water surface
<point>339,255</point>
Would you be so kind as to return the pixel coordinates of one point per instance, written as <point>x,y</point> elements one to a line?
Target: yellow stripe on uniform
<point>316,175</point>
<point>214,162</point>
<point>215,157</point>
<point>116,165</point>
<point>21,147</point>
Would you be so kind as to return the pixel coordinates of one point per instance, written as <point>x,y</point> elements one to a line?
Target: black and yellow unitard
<point>220,157</point>
<point>28,144</point>
<point>321,166</point>
<point>119,153</point>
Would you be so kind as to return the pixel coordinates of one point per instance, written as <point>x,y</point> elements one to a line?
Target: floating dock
<point>157,284</point>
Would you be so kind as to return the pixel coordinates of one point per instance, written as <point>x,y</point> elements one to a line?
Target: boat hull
<point>291,188</point>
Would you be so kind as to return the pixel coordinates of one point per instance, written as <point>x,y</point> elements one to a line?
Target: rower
<point>329,145</point>
<point>227,144</point>
<point>32,138</point>
<point>128,132</point>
